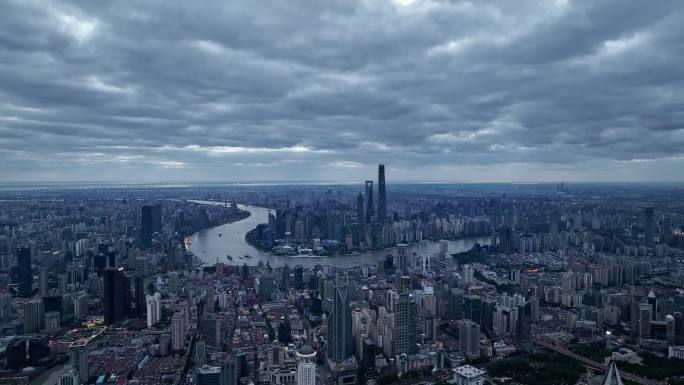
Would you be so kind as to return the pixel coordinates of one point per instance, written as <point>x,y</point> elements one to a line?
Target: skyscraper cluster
<point>445,279</point>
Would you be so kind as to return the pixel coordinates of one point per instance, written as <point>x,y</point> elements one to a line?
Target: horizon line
<point>330,182</point>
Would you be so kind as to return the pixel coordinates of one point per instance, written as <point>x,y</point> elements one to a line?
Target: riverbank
<point>251,240</point>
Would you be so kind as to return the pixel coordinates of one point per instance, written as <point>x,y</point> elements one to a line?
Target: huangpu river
<point>213,244</point>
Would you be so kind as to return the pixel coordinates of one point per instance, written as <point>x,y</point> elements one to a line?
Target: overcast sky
<point>228,90</point>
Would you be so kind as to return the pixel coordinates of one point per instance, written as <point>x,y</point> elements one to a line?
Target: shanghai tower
<point>382,198</point>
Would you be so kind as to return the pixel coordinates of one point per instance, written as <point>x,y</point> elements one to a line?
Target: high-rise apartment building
<point>81,305</point>
<point>210,328</point>
<point>43,283</point>
<point>177,333</point>
<point>405,323</point>
<point>469,338</point>
<point>33,316</point>
<point>78,361</point>
<point>455,304</point>
<point>153,309</point>
<point>140,294</point>
<point>266,287</point>
<point>472,306</point>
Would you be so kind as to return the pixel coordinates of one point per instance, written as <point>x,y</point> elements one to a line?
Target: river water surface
<point>213,244</point>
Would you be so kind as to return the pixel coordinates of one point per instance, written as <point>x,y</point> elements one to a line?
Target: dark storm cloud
<point>301,90</point>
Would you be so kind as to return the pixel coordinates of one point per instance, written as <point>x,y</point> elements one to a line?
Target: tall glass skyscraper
<point>339,324</point>
<point>369,201</point>
<point>359,209</point>
<point>382,197</point>
<point>150,223</point>
<point>22,274</point>
<point>116,295</point>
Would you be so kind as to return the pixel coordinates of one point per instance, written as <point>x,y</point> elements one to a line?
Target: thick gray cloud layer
<point>323,90</point>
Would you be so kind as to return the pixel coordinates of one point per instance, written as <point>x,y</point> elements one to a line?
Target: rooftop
<point>209,369</point>
<point>306,350</point>
<point>468,371</point>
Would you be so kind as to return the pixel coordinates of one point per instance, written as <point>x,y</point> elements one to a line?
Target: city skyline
<point>438,91</point>
<point>539,284</point>
<point>345,192</point>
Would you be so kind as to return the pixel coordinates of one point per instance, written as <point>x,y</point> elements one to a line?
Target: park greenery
<point>537,369</point>
<point>468,257</point>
